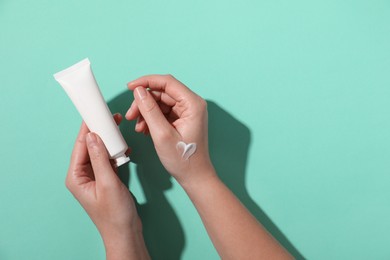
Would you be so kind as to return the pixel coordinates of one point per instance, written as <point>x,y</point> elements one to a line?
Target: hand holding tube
<point>93,181</point>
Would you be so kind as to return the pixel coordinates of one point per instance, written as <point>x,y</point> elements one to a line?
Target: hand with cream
<point>176,118</point>
<point>177,121</point>
<point>93,181</point>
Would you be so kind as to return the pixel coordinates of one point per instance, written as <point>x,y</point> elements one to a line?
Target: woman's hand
<point>93,181</point>
<point>172,113</point>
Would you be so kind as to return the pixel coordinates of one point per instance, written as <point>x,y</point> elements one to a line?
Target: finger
<point>118,118</point>
<point>80,154</point>
<point>100,159</point>
<point>140,125</point>
<point>164,108</point>
<point>163,97</point>
<point>145,130</point>
<point>133,112</point>
<point>128,151</point>
<point>155,120</point>
<point>163,83</point>
<point>172,117</point>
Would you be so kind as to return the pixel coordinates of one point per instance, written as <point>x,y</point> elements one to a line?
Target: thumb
<point>150,111</point>
<point>100,159</point>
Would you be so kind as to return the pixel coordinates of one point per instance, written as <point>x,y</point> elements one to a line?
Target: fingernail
<point>118,115</point>
<point>141,92</point>
<point>91,139</point>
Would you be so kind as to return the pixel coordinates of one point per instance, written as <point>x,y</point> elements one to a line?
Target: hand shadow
<point>229,142</point>
<point>163,233</point>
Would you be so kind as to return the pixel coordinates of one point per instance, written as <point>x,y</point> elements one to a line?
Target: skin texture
<point>93,181</point>
<point>171,113</point>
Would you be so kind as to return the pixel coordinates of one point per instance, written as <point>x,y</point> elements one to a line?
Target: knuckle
<point>68,184</point>
<point>81,139</point>
<point>164,136</point>
<point>170,77</point>
<point>202,104</point>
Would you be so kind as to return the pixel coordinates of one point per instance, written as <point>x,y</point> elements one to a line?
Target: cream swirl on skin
<point>187,150</point>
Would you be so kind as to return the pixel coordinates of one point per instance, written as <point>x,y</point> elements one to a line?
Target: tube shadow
<point>229,142</point>
<point>229,147</point>
<point>163,233</point>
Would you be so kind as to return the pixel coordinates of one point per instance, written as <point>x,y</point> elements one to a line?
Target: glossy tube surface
<point>79,83</point>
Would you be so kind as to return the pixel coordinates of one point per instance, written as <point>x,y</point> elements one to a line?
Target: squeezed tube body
<point>80,84</point>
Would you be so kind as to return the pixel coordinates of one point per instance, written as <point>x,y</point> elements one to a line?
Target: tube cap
<point>121,160</point>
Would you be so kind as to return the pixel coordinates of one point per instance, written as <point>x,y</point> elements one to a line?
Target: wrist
<point>199,178</point>
<point>127,243</point>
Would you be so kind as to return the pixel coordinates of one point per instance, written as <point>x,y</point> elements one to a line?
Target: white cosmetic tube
<point>80,84</point>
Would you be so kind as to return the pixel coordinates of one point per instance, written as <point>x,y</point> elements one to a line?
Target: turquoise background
<point>299,105</point>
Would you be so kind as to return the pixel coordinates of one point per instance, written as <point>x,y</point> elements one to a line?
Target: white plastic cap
<point>121,160</point>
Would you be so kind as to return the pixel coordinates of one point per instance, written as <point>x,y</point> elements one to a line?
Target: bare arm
<point>235,233</point>
<point>172,113</point>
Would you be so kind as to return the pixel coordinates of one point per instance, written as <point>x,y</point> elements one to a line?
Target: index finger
<point>163,83</point>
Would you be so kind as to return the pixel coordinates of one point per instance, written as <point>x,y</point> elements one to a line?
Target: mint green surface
<point>299,99</point>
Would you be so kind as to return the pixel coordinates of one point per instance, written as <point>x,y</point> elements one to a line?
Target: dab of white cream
<point>186,149</point>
